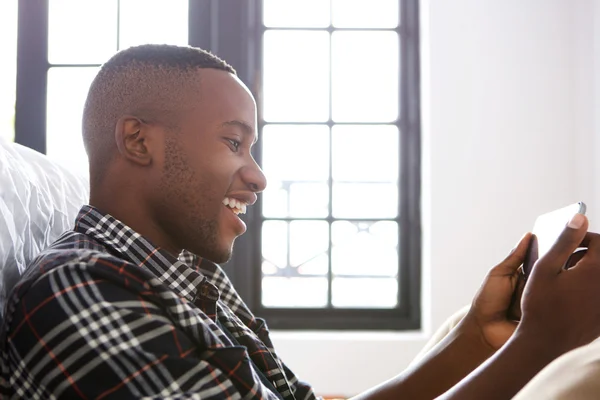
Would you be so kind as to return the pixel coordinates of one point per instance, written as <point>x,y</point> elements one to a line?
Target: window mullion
<point>32,74</point>
<point>202,24</point>
<point>411,217</point>
<point>330,178</point>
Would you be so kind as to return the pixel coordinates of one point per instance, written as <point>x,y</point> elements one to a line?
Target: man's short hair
<point>151,82</point>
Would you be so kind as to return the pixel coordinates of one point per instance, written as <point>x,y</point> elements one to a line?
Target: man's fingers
<point>569,240</point>
<point>591,240</point>
<point>518,253</point>
<point>590,250</point>
<point>575,258</point>
<point>514,260</point>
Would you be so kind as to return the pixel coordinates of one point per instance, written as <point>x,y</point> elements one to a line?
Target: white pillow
<point>39,200</point>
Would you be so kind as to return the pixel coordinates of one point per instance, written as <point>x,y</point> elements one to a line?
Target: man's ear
<point>133,140</point>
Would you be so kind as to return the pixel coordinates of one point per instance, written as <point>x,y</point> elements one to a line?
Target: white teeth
<point>237,206</point>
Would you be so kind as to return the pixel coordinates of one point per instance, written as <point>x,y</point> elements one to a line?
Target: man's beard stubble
<point>185,217</point>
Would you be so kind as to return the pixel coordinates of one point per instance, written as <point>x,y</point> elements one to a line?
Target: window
<point>335,224</point>
<point>334,242</point>
<point>81,35</point>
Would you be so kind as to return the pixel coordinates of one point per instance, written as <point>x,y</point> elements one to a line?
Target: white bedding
<point>39,200</point>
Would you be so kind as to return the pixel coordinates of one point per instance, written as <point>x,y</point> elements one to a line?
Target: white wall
<point>592,157</point>
<point>509,131</point>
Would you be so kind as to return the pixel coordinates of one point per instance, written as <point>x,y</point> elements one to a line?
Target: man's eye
<point>234,143</point>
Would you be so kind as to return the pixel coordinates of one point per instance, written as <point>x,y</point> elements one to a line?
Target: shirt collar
<point>180,274</point>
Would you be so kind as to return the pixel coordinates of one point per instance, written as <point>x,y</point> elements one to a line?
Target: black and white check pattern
<point>105,314</point>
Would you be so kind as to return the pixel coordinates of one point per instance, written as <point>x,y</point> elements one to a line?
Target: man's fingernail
<point>576,222</point>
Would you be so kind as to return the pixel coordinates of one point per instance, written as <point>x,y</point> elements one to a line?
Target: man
<point>131,303</point>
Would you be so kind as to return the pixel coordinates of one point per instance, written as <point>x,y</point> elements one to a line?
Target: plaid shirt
<point>103,313</point>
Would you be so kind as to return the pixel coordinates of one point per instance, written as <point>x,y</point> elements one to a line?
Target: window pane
<point>8,77</point>
<point>362,91</point>
<point>375,146</point>
<point>296,76</point>
<point>296,13</point>
<point>365,200</point>
<point>308,244</point>
<point>67,91</point>
<point>364,248</point>
<point>296,152</point>
<point>153,21</point>
<point>316,266</point>
<point>82,31</point>
<point>275,243</point>
<point>275,200</point>
<point>365,13</point>
<point>364,292</point>
<point>296,164</point>
<point>308,240</point>
<point>268,268</point>
<point>296,200</point>
<point>309,200</point>
<point>294,292</point>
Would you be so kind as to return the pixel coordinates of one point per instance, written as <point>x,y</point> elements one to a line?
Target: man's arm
<point>479,334</point>
<point>75,334</point>
<point>556,319</point>
<point>501,376</point>
<point>454,357</point>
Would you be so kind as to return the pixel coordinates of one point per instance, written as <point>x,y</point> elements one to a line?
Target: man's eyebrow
<point>246,128</point>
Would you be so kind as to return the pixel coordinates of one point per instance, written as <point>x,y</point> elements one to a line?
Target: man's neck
<point>134,214</point>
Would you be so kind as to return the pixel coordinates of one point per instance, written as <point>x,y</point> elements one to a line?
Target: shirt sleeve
<point>75,333</point>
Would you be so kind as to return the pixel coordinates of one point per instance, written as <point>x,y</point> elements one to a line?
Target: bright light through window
<point>82,34</point>
<point>67,90</point>
<point>164,21</point>
<point>330,149</point>
<point>8,77</point>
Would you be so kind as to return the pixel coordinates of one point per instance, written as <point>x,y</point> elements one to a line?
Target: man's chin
<point>218,256</point>
<point>221,259</point>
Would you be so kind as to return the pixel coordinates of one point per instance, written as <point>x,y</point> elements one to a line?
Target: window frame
<point>233,31</point>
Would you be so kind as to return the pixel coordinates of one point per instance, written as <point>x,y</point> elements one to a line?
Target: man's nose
<point>254,177</point>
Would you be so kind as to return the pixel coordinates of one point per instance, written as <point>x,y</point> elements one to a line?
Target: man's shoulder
<point>75,257</point>
<point>83,278</point>
<point>74,241</point>
<point>72,248</point>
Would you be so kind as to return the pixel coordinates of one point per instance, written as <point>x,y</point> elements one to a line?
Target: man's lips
<point>234,218</point>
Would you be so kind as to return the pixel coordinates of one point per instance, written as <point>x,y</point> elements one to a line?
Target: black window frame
<point>232,29</point>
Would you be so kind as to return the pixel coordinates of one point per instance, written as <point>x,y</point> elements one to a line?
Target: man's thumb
<point>567,242</point>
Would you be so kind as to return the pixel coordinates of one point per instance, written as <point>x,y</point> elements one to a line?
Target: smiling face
<point>206,174</point>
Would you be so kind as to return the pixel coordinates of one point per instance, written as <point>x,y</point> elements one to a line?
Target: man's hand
<point>560,313</point>
<point>491,303</point>
<point>561,306</point>
<point>479,334</point>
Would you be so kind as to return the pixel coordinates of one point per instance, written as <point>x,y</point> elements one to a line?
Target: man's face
<point>208,173</point>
